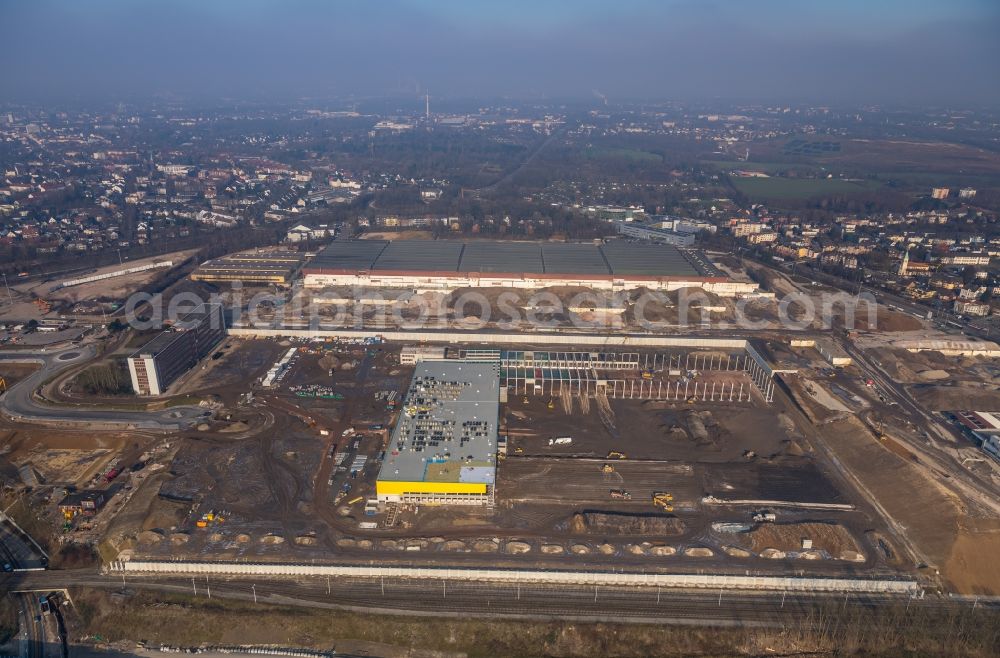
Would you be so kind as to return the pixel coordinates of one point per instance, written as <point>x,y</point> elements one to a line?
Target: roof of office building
<point>187,321</point>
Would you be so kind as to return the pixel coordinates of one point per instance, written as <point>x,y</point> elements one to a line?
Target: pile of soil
<point>329,362</point>
<point>625,524</point>
<point>787,537</point>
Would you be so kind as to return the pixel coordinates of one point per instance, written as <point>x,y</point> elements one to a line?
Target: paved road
<point>19,404</point>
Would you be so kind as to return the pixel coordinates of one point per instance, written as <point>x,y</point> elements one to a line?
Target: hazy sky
<point>943,51</point>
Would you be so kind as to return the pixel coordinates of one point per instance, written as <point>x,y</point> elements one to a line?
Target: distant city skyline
<point>893,51</point>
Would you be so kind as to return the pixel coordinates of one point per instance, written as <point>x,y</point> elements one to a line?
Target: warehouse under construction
<point>443,449</point>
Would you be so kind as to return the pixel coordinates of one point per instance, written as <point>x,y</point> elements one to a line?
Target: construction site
<point>485,445</point>
<point>680,458</point>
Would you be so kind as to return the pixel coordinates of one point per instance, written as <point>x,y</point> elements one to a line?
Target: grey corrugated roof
<point>573,258</point>
<point>421,255</point>
<point>619,257</point>
<point>350,254</point>
<point>502,257</point>
<point>646,259</point>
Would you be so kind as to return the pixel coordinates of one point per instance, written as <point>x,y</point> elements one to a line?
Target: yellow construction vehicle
<point>551,404</point>
<point>518,450</point>
<point>664,500</point>
<point>3,385</point>
<point>355,500</point>
<point>692,400</point>
<point>647,374</point>
<point>607,468</point>
<point>614,454</point>
<point>524,400</point>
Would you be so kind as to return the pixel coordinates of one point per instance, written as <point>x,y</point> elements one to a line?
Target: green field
<point>800,188</point>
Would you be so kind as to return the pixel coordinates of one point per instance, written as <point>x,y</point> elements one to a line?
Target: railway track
<point>465,598</point>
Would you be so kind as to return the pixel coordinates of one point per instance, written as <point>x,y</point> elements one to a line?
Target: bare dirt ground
<point>259,466</point>
<point>965,566</point>
<point>397,235</point>
<point>15,372</point>
<point>886,321</point>
<point>114,288</point>
<point>576,482</point>
<point>787,537</point>
<point>908,367</point>
<point>63,457</point>
<point>645,430</point>
<point>937,523</point>
<point>985,397</point>
<point>790,479</point>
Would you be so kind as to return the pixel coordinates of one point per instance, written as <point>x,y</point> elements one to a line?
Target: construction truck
<point>607,468</point>
<point>664,500</point>
<point>524,400</point>
<point>614,454</point>
<point>620,494</point>
<point>647,374</point>
<point>764,517</point>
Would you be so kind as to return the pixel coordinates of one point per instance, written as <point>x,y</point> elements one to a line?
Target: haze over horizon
<point>893,51</point>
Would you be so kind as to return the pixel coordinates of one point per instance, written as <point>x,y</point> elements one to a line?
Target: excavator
<point>664,500</point>
<point>3,385</point>
<point>614,454</point>
<point>607,468</point>
<point>551,404</point>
